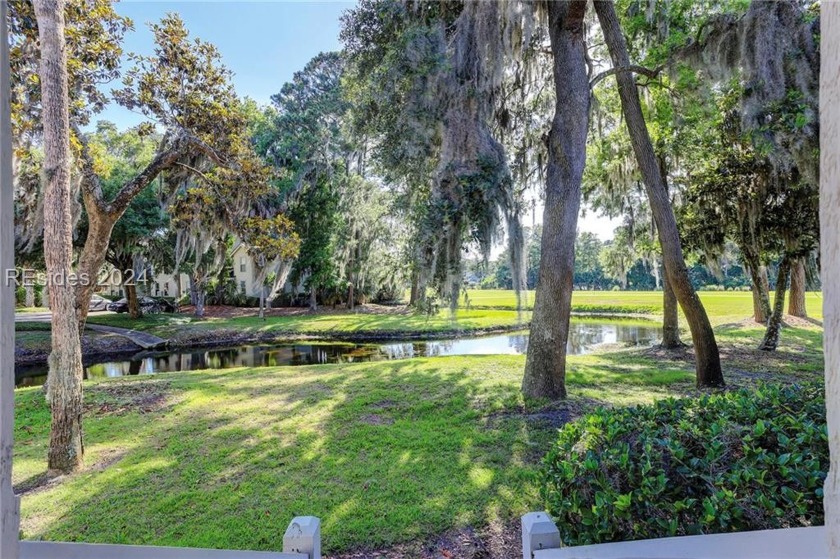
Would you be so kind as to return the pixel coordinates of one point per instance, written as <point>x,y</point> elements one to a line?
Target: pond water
<point>584,337</point>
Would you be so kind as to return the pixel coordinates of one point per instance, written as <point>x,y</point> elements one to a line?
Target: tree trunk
<point>760,284</point>
<point>707,357</point>
<point>262,302</point>
<point>193,291</point>
<point>415,288</point>
<point>798,284</point>
<point>130,289</point>
<point>774,325</point>
<point>30,295</point>
<point>199,294</point>
<point>670,319</point>
<point>92,257</point>
<point>178,293</point>
<point>313,299</point>
<point>761,295</point>
<point>545,365</point>
<point>65,362</point>
<point>830,263</point>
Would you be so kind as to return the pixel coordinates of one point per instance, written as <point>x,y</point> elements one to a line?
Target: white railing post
<point>538,532</point>
<point>303,536</point>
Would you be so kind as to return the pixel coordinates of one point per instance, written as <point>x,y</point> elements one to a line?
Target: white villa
<point>165,284</point>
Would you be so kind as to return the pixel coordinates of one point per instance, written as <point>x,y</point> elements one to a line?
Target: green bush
<point>743,460</point>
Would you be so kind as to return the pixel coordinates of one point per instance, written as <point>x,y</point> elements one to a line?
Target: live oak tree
<point>545,367</point>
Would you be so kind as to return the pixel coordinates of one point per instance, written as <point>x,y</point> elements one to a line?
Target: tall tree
<point>65,375</point>
<point>545,365</point>
<point>184,89</point>
<point>707,356</point>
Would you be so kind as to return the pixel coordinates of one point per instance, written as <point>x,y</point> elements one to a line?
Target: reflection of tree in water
<point>401,351</point>
<point>583,336</point>
<point>518,342</point>
<point>436,349</point>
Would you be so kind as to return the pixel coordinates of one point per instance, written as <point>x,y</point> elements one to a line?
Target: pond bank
<point>373,325</point>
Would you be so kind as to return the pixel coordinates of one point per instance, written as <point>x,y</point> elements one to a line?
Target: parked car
<point>98,303</point>
<point>148,305</point>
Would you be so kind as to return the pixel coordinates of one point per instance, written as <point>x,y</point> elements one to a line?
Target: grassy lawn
<point>225,459</point>
<point>720,305</point>
<point>486,309</point>
<point>347,324</point>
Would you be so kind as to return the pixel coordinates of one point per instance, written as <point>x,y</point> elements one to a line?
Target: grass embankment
<point>381,452</point>
<point>358,325</point>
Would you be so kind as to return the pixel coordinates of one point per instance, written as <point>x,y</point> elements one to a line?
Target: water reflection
<point>584,337</point>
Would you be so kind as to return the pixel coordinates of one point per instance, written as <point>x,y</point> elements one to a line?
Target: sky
<point>264,43</point>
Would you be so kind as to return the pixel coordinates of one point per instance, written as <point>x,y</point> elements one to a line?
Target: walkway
<point>142,339</point>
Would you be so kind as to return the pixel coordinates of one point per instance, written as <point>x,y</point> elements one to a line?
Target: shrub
<point>743,460</point>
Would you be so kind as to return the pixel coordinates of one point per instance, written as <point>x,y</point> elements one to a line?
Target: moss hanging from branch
<point>473,190</point>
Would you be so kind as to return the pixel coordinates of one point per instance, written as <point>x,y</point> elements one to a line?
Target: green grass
<point>381,452</point>
<point>184,326</point>
<point>485,309</point>
<point>719,305</point>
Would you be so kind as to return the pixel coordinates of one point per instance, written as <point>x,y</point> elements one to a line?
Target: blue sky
<point>264,43</point>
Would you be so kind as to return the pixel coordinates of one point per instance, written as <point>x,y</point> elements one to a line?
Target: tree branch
<point>132,188</point>
<point>91,185</point>
<point>635,68</point>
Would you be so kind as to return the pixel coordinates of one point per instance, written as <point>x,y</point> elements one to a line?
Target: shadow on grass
<point>381,453</point>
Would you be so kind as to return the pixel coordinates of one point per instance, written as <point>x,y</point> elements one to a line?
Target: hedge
<point>742,460</point>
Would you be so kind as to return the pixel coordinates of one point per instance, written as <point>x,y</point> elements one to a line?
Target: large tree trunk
<point>774,325</point>
<point>545,366</point>
<point>830,262</point>
<point>65,361</point>
<point>798,284</point>
<point>670,318</point>
<point>707,357</point>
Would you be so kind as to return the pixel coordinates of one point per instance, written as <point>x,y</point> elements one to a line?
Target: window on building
<point>242,286</point>
<point>242,265</point>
